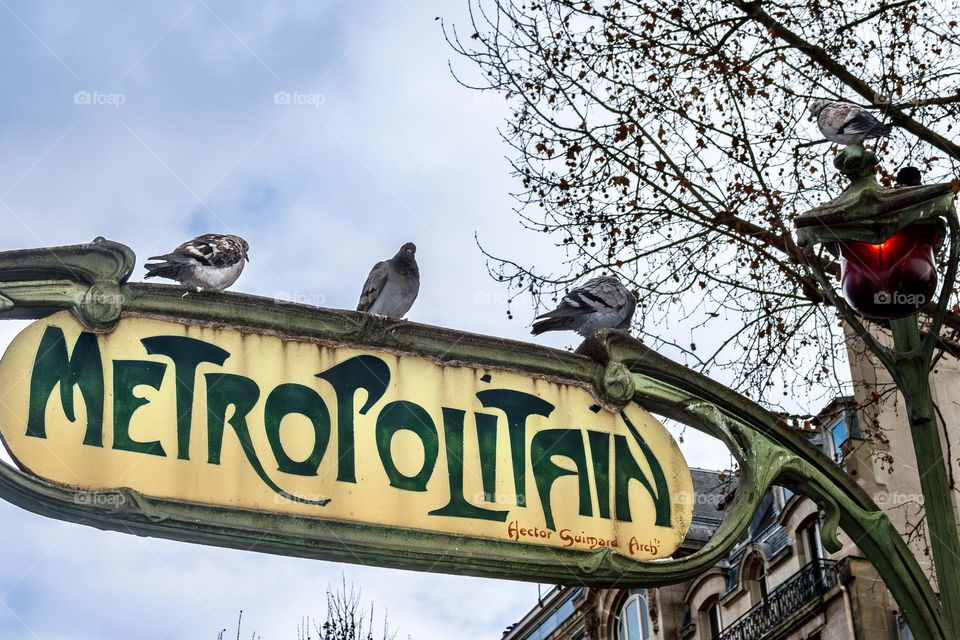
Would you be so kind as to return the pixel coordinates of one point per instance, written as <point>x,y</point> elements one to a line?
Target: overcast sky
<point>327,134</point>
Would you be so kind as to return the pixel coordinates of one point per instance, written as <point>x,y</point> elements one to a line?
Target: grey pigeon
<point>598,304</point>
<point>209,262</point>
<point>846,123</point>
<point>392,285</point>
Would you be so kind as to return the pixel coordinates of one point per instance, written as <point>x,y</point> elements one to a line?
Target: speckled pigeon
<point>392,285</point>
<point>209,262</point>
<point>600,303</point>
<point>846,123</point>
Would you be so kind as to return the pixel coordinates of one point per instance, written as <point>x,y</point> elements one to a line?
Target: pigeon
<point>846,123</point>
<point>909,177</point>
<point>208,262</point>
<point>392,285</point>
<point>600,303</point>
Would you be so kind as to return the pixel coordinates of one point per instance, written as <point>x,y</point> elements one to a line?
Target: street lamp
<point>885,239</point>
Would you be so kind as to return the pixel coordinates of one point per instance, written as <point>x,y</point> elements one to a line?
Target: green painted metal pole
<point>913,376</point>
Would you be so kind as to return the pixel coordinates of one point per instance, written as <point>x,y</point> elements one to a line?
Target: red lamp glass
<point>894,278</point>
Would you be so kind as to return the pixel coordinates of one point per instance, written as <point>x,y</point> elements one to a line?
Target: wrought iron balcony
<point>803,588</point>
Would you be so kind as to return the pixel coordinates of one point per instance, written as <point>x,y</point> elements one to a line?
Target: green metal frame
<point>868,212</point>
<point>91,280</point>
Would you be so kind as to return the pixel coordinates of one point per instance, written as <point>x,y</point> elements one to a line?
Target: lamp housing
<point>886,238</point>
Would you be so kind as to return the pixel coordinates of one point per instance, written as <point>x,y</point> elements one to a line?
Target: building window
<point>756,576</point>
<point>809,548</point>
<point>556,618</point>
<point>838,434</point>
<point>785,494</point>
<point>633,620</point>
<point>710,620</point>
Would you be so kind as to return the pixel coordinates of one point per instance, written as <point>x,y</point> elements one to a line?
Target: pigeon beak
<point>246,256</point>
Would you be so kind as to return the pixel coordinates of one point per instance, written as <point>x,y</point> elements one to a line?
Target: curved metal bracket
<point>84,277</point>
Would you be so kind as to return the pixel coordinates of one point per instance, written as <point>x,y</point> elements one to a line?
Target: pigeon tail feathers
<point>884,130</point>
<point>168,270</point>
<point>561,323</point>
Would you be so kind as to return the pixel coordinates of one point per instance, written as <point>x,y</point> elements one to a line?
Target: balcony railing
<point>811,582</point>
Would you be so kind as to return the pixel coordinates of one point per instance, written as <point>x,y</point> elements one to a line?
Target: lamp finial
<point>856,162</point>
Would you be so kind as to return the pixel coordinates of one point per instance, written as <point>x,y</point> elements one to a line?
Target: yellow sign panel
<point>229,418</point>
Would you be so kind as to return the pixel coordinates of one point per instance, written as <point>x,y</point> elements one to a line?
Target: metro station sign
<point>227,419</point>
